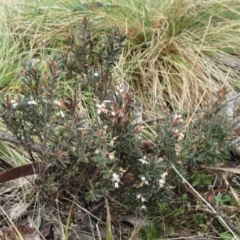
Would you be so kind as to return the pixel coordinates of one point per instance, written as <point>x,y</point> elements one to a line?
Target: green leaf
<point>226,236</point>
<point>226,198</point>
<point>195,183</point>
<point>218,197</point>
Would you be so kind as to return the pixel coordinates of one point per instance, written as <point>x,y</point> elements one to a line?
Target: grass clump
<point>178,52</point>
<point>30,30</point>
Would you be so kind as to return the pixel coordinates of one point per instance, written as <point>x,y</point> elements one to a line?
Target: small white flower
<point>177,117</point>
<point>111,156</point>
<point>143,207</point>
<point>121,171</point>
<point>14,103</point>
<point>139,196</point>
<point>97,151</point>
<point>32,102</point>
<point>115,177</point>
<point>144,160</point>
<point>178,135</point>
<point>181,136</point>
<point>143,178</point>
<point>120,89</point>
<point>104,132</point>
<point>116,180</point>
<point>101,108</point>
<point>144,181</point>
<point>113,141</point>
<point>105,127</point>
<point>161,182</point>
<point>160,160</point>
<point>139,128</point>
<point>164,174</point>
<point>179,161</point>
<point>96,74</point>
<point>61,114</point>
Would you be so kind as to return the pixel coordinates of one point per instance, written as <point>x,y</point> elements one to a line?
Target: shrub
<point>111,155</point>
<point>91,160</point>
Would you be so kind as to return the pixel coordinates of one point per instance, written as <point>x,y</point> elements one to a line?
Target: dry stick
<point>17,172</point>
<point>203,200</point>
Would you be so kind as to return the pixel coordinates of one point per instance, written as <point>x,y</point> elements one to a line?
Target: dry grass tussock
<point>177,55</point>
<point>179,52</point>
